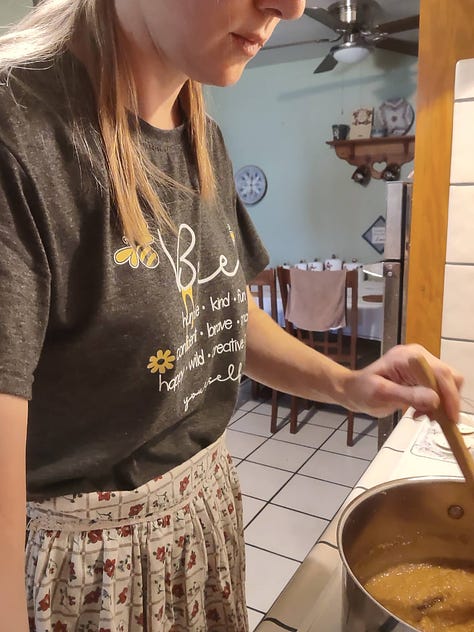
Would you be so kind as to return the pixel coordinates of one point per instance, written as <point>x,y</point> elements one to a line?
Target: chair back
<point>262,287</point>
<point>266,280</point>
<point>331,343</point>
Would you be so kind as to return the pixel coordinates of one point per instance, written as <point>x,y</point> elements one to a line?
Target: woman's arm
<point>13,422</point>
<point>281,361</point>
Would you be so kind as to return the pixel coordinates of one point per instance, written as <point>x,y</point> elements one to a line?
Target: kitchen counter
<point>312,600</point>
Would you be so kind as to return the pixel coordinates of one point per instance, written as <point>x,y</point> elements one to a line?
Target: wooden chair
<point>334,344</point>
<point>265,284</point>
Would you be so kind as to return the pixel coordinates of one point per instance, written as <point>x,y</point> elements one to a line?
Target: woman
<point>124,323</point>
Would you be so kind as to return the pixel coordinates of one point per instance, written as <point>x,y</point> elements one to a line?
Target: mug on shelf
<point>340,132</point>
<point>391,172</point>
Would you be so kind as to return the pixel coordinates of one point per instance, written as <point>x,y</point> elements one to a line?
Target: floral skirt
<point>167,556</point>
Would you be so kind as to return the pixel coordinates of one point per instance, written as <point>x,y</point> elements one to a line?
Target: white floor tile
<point>312,496</point>
<point>236,461</point>
<point>285,532</point>
<point>261,481</point>
<point>305,415</point>
<point>283,455</point>
<point>267,575</point>
<point>363,425</point>
<point>281,423</point>
<point>266,409</point>
<point>254,618</point>
<point>241,444</point>
<point>251,507</point>
<point>328,418</point>
<point>253,424</point>
<point>249,404</point>
<point>245,392</point>
<point>237,415</point>
<point>307,435</point>
<point>335,468</point>
<point>365,446</point>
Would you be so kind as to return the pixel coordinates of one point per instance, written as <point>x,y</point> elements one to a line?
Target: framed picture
<point>375,234</point>
<point>361,126</point>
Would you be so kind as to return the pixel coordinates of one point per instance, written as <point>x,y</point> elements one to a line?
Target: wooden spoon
<point>425,376</point>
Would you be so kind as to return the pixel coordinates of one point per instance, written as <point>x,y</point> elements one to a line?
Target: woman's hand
<point>284,363</point>
<point>389,384</point>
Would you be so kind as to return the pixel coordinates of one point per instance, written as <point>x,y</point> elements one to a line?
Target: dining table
<point>369,307</point>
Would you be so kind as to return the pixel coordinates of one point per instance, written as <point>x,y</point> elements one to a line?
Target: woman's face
<point>209,41</point>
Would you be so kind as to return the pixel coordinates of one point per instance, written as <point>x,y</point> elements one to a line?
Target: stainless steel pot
<point>409,520</point>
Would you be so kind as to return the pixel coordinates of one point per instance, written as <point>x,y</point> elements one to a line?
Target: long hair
<point>45,32</point>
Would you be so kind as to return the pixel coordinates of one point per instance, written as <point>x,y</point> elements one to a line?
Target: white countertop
<point>312,600</point>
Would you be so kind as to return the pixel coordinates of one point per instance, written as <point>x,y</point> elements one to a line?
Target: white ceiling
<point>299,32</point>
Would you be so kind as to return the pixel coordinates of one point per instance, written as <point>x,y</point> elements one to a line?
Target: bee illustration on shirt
<point>146,255</point>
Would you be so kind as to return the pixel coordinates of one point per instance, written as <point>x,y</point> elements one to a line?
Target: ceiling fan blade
<point>398,46</point>
<point>290,44</point>
<point>323,16</point>
<point>328,63</point>
<point>398,26</point>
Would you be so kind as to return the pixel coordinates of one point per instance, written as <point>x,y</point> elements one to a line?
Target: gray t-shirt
<point>131,359</point>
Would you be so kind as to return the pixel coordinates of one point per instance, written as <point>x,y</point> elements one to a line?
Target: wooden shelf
<point>367,151</point>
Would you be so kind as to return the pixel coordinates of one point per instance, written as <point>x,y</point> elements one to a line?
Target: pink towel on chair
<point>317,300</point>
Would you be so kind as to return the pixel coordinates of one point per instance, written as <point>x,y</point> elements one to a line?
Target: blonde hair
<point>46,31</point>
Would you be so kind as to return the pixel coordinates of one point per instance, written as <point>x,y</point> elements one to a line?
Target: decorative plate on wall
<point>396,116</point>
<point>251,184</point>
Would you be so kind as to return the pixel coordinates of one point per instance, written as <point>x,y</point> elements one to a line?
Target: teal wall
<point>13,10</point>
<point>279,117</point>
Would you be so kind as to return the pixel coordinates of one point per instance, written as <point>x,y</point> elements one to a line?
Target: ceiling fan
<point>354,21</point>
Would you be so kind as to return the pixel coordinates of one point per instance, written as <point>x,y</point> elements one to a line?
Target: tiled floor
<point>292,486</point>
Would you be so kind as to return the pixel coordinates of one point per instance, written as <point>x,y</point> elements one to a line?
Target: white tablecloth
<point>370,324</point>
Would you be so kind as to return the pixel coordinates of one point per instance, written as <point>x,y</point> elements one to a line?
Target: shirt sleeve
<point>24,279</point>
<point>252,253</point>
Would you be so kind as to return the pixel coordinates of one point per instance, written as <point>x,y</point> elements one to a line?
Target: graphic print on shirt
<point>162,362</point>
<point>213,321</point>
<point>146,255</point>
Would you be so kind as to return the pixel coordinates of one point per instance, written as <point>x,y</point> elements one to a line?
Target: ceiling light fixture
<point>350,53</point>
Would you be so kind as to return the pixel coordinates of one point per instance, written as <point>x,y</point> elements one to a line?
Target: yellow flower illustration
<point>162,362</point>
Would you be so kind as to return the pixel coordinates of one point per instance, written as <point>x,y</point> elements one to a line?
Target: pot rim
<point>358,500</point>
